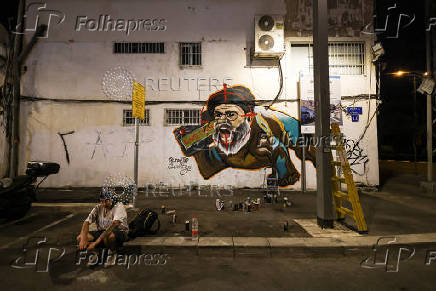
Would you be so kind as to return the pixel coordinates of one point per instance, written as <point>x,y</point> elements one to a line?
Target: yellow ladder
<point>356,213</point>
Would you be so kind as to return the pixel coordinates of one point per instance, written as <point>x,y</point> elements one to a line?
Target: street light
<point>399,73</point>
<point>426,87</point>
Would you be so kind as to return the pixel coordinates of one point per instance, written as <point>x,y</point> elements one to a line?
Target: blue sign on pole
<point>354,110</point>
<point>355,118</point>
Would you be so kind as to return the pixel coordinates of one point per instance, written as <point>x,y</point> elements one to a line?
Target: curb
<point>280,242</point>
<point>274,247</point>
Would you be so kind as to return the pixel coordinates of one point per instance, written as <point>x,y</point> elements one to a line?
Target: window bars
<point>182,117</point>
<point>345,58</point>
<point>139,48</point>
<point>190,53</point>
<point>129,120</point>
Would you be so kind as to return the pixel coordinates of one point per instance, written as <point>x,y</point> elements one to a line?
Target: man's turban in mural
<point>236,133</point>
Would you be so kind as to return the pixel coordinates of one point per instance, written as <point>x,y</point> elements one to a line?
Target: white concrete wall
<point>70,64</point>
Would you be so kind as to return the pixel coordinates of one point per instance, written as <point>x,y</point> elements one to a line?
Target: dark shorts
<point>120,236</point>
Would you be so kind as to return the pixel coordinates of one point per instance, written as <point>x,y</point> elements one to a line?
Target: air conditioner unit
<point>269,36</point>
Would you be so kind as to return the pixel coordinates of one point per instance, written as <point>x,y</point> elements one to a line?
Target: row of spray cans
<point>247,205</point>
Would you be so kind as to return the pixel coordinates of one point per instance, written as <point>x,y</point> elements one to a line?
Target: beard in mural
<point>238,134</point>
<point>232,131</point>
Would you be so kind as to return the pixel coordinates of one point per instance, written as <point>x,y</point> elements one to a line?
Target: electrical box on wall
<point>269,36</point>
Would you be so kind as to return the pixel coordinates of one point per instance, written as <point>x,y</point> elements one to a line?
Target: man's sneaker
<point>92,259</point>
<point>111,259</point>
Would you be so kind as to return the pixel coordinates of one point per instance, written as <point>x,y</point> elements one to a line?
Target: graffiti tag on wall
<point>356,156</point>
<point>179,163</point>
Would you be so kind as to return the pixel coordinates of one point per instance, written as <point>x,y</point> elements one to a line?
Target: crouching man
<point>112,228</point>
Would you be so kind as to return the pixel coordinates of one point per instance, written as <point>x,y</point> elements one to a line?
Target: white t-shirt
<point>103,220</point>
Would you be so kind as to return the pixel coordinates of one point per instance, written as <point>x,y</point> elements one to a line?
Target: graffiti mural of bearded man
<point>238,134</point>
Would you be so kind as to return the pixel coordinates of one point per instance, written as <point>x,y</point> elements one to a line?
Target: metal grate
<point>190,53</point>
<point>139,48</point>
<point>129,120</point>
<point>345,58</point>
<point>182,116</point>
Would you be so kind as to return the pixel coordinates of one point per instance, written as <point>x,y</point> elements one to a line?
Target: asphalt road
<point>184,270</point>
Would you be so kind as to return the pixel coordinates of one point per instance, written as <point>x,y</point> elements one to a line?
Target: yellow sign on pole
<point>138,101</point>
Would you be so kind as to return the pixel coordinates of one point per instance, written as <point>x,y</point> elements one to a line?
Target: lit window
<point>182,117</point>
<point>190,53</point>
<point>129,120</point>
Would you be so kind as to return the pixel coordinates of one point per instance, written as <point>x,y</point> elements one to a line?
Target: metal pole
<point>324,205</point>
<point>414,122</point>
<point>303,166</point>
<point>135,170</point>
<point>429,103</point>
<point>16,74</point>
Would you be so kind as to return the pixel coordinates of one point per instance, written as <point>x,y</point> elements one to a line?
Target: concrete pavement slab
<point>146,241</point>
<point>277,242</point>
<point>250,242</point>
<point>179,242</point>
<point>282,242</point>
<point>216,247</point>
<point>215,242</point>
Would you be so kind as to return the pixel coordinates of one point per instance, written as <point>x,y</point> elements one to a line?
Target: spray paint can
<point>174,218</point>
<point>162,209</point>
<point>285,225</point>
<point>187,225</point>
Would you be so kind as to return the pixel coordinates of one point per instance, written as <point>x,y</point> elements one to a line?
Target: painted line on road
<point>38,230</point>
<point>18,220</point>
<point>38,204</point>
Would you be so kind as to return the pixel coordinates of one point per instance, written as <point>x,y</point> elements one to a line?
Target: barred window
<point>190,53</point>
<point>182,116</point>
<point>345,58</point>
<point>139,48</point>
<point>129,120</point>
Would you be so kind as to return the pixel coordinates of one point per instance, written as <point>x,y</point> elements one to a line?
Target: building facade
<point>75,106</point>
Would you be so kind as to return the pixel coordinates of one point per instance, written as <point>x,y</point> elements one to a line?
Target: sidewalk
<point>400,209</point>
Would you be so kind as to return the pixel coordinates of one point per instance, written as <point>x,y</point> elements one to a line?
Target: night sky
<point>400,121</point>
